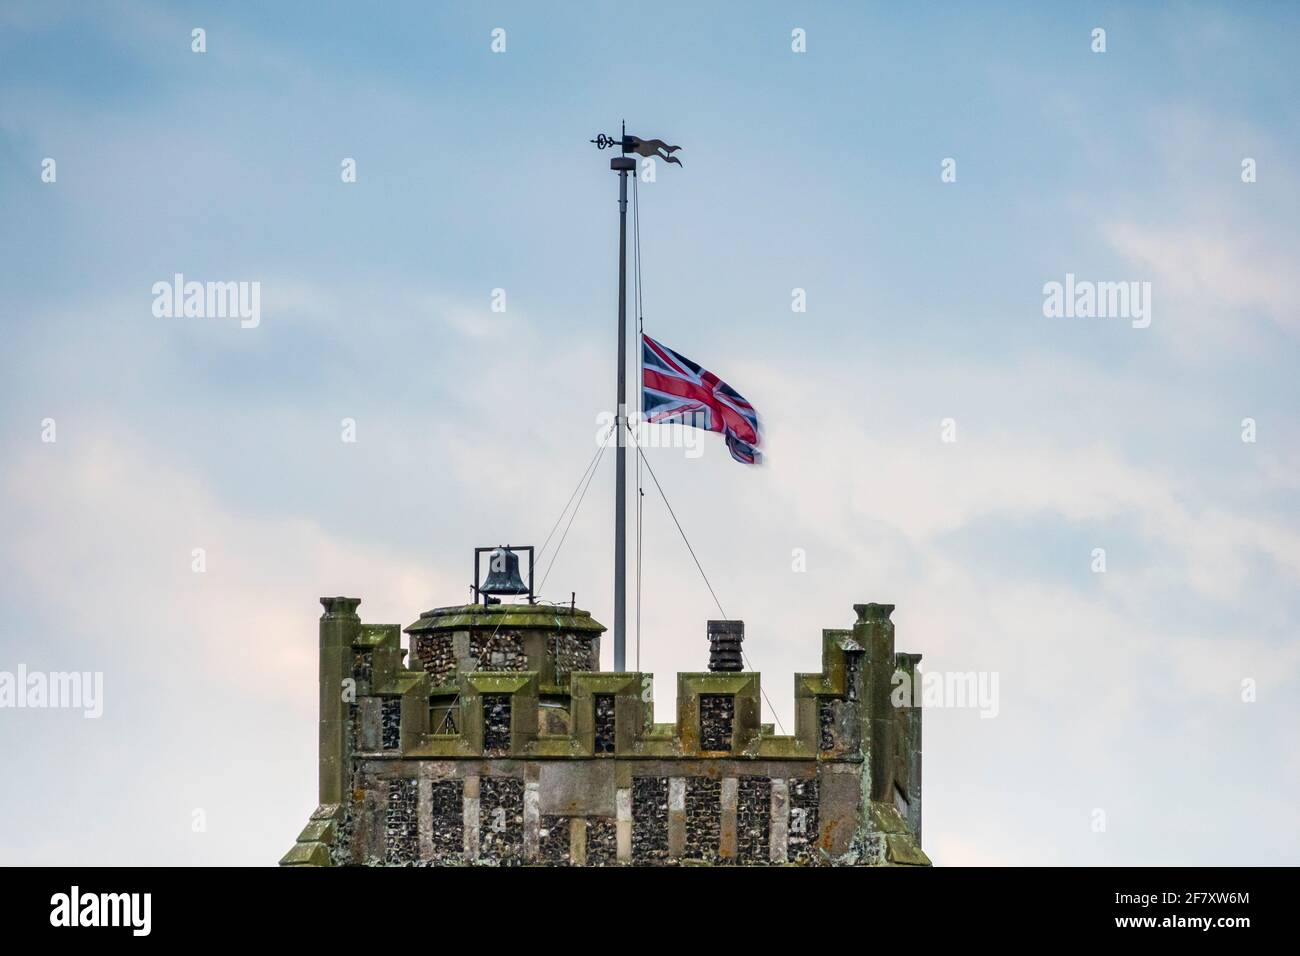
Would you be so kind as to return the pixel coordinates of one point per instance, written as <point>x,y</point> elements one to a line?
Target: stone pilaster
<point>578,841</point>
<point>339,628</point>
<point>780,829</point>
<point>875,632</point>
<point>676,817</point>
<point>623,823</point>
<point>532,818</point>
<point>424,816</point>
<point>727,831</point>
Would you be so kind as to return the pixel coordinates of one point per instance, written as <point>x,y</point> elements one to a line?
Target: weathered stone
<point>717,721</point>
<point>583,788</point>
<point>703,818</point>
<point>437,656</point>
<point>501,820</point>
<point>553,840</point>
<point>391,723</point>
<point>447,821</point>
<point>401,826</point>
<point>604,724</point>
<point>602,841</point>
<point>573,652</point>
<point>558,764</point>
<point>649,819</point>
<point>753,819</point>
<point>496,724</point>
<point>804,822</point>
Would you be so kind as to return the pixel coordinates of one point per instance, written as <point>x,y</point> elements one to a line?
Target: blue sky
<point>820,171</point>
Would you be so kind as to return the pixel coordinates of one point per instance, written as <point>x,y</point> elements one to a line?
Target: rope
<point>707,584</point>
<point>590,465</point>
<point>600,453</point>
<point>448,719</point>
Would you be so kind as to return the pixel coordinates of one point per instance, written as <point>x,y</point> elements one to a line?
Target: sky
<point>933,439</point>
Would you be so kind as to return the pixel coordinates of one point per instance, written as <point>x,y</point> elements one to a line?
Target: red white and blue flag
<point>675,389</point>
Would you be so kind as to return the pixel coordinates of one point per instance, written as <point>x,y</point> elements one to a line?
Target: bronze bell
<point>503,574</point>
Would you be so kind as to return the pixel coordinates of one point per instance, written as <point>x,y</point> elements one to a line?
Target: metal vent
<point>724,645</point>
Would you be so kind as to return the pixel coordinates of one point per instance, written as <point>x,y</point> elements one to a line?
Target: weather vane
<point>642,147</point>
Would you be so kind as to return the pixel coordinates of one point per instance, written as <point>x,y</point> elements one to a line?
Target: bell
<point>503,574</point>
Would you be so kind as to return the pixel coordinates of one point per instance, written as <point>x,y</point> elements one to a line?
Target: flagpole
<point>621,165</point>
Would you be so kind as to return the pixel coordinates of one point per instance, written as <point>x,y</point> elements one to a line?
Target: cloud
<point>1200,271</point>
<point>474,427</point>
<point>114,516</point>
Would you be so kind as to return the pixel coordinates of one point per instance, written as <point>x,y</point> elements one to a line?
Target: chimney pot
<point>725,638</point>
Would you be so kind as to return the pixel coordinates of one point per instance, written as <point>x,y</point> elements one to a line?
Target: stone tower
<point>502,743</point>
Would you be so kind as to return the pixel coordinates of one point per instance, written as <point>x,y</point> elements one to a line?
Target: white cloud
<point>1200,272</point>
<point>113,516</point>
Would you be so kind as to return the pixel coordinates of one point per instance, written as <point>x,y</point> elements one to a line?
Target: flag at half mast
<point>676,390</point>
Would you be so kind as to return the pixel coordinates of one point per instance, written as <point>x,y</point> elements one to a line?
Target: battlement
<point>501,743</point>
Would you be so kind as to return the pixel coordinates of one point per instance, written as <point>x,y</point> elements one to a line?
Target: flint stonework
<point>491,739</point>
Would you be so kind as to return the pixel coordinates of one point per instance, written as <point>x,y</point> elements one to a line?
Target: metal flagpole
<point>621,165</point>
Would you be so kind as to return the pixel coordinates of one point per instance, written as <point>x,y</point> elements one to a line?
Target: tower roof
<point>513,616</point>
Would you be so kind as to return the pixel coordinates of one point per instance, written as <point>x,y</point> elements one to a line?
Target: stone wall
<point>401,823</point>
<point>753,819</point>
<point>452,812</point>
<point>447,821</point>
<point>602,841</point>
<point>501,820</point>
<point>553,840</point>
<point>852,670</point>
<point>391,723</point>
<point>826,724</point>
<point>498,651</point>
<point>649,819</point>
<point>804,822</point>
<point>353,729</point>
<point>717,718</point>
<point>604,724</point>
<point>435,654</point>
<point>496,724</point>
<point>677,793</point>
<point>363,666</point>
<point>703,818</point>
<point>572,652</point>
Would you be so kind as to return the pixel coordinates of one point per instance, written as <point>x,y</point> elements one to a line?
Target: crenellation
<point>501,744</point>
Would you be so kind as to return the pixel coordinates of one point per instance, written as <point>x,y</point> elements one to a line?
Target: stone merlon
<point>494,738</point>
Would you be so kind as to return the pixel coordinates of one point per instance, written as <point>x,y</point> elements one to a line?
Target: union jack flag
<point>675,389</point>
